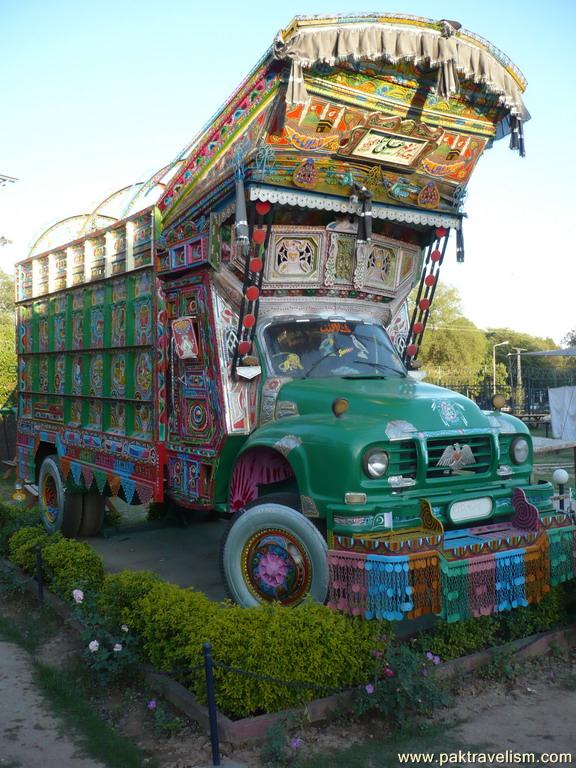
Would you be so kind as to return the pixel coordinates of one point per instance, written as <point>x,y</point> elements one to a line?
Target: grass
<point>63,689</point>
<point>33,630</point>
<point>382,754</point>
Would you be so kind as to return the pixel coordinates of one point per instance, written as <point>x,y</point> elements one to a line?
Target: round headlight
<point>519,450</point>
<point>375,462</point>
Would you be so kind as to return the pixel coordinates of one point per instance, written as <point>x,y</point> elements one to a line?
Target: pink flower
<point>296,742</point>
<point>369,689</point>
<point>389,672</point>
<point>151,704</point>
<point>93,646</point>
<point>272,570</point>
<point>429,655</point>
<point>117,648</point>
<point>78,596</point>
<point>377,654</point>
<point>436,659</point>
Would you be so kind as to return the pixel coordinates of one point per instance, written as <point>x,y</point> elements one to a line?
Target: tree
<point>532,367</point>
<point>453,348</point>
<point>570,339</point>
<point>6,297</point>
<point>7,337</point>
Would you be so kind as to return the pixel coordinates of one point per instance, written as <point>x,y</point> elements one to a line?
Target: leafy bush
<point>7,513</point>
<point>12,519</point>
<point>121,593</point>
<point>450,640</point>
<point>110,653</point>
<point>172,623</point>
<point>407,689</point>
<point>307,644</point>
<point>22,545</point>
<point>165,722</point>
<point>70,565</point>
<point>523,622</point>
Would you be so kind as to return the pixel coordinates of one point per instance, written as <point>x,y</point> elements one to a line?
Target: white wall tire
<point>59,510</point>
<point>271,552</point>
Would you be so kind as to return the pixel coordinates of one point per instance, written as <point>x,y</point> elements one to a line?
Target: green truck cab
<point>238,338</point>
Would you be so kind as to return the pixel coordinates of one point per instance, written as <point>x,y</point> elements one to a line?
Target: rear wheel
<point>92,514</point>
<point>59,510</point>
<point>271,552</point>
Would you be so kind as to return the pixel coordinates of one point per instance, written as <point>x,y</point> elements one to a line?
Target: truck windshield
<point>320,348</point>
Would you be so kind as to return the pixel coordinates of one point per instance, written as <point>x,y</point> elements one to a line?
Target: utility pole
<point>519,390</point>
<point>500,344</point>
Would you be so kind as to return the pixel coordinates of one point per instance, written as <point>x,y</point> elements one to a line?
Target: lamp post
<point>500,344</point>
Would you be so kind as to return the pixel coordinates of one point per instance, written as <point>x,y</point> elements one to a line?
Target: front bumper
<point>403,511</point>
<point>459,573</point>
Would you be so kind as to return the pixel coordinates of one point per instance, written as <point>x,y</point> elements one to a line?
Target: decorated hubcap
<point>276,567</point>
<point>50,499</point>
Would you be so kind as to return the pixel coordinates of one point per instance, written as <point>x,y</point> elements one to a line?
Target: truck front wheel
<point>271,552</point>
<point>59,510</point>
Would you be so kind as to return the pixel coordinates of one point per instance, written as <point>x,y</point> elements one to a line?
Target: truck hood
<point>404,404</point>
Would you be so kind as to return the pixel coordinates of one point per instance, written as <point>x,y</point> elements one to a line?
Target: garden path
<point>30,736</point>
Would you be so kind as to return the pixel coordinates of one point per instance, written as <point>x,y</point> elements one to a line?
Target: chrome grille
<point>481,448</point>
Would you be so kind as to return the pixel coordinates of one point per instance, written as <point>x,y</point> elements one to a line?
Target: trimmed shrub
<point>522,622</point>
<point>309,644</point>
<point>12,519</point>
<point>7,513</point>
<point>172,623</point>
<point>121,593</point>
<point>22,546</point>
<point>72,565</point>
<point>450,640</point>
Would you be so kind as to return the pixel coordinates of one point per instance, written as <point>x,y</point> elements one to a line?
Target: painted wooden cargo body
<point>86,346</point>
<point>235,357</point>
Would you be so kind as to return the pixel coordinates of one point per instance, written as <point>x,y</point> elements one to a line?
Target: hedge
<point>312,647</point>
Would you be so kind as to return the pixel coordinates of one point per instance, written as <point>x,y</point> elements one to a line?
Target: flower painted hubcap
<point>50,499</point>
<point>276,567</point>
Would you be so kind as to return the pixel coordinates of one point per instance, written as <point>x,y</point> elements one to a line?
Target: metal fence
<point>530,398</point>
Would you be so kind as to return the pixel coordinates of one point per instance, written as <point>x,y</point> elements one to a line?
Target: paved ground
<point>30,736</point>
<point>184,556</point>
<point>536,718</point>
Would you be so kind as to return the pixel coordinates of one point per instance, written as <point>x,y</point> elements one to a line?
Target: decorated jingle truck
<point>233,335</point>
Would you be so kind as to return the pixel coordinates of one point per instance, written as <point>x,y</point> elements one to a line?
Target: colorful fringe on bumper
<point>467,573</point>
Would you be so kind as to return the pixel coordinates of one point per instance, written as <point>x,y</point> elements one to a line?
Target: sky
<point>97,95</point>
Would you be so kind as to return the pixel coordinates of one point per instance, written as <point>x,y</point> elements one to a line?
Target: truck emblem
<point>456,456</point>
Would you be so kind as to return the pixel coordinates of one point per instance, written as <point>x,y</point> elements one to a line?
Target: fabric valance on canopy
<point>305,199</point>
<point>441,49</point>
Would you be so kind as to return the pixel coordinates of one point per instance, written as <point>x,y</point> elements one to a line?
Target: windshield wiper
<point>321,359</point>
<point>381,366</point>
